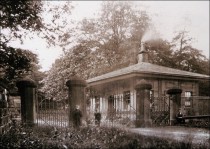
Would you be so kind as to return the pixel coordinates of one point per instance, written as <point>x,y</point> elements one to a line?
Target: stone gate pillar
<point>27,92</point>
<point>175,103</point>
<point>143,118</point>
<point>76,96</point>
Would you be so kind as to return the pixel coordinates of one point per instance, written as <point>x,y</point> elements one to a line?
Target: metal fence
<point>160,111</point>
<point>56,113</point>
<point>52,112</point>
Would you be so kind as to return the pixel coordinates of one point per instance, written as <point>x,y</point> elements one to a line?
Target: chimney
<point>143,53</point>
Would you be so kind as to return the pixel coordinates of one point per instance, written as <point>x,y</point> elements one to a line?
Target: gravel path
<point>194,135</point>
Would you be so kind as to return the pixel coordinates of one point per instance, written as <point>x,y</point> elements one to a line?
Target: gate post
<point>27,91</point>
<point>175,103</point>
<point>76,96</point>
<point>143,118</point>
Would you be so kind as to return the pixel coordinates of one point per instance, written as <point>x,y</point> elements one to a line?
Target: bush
<point>86,137</point>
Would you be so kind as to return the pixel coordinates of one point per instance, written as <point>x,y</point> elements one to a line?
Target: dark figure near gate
<point>179,117</point>
<point>97,118</point>
<point>77,115</point>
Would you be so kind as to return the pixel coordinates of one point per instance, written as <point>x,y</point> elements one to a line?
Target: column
<point>143,104</point>
<point>76,96</point>
<point>27,91</point>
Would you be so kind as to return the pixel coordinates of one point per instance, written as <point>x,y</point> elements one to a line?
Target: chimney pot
<point>143,53</point>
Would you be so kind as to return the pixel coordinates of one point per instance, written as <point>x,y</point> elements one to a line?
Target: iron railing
<point>52,113</point>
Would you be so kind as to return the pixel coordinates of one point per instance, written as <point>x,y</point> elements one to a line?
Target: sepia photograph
<point>104,74</point>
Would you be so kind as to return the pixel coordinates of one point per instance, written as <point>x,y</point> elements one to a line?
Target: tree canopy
<point>99,45</point>
<point>17,16</point>
<point>102,44</point>
<point>22,19</point>
<point>111,42</point>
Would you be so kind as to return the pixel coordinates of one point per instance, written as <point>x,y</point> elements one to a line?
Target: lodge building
<point>116,94</point>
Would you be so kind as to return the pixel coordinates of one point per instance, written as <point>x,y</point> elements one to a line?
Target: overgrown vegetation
<point>86,137</point>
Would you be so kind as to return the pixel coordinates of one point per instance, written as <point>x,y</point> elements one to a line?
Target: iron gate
<point>52,112</point>
<point>120,114</point>
<point>160,111</point>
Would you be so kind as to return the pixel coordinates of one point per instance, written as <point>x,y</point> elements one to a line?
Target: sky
<point>167,16</point>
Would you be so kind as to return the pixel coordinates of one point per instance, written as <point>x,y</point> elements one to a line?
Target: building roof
<point>148,68</point>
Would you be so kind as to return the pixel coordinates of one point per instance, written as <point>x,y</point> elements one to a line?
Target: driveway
<point>194,135</point>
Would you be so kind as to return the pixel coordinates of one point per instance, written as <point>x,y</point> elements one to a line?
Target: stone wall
<point>5,120</point>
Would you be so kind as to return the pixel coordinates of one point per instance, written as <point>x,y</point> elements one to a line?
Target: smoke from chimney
<point>143,52</point>
<point>150,34</point>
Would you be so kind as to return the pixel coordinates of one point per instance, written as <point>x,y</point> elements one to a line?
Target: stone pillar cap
<point>76,81</point>
<point>26,82</point>
<point>143,84</point>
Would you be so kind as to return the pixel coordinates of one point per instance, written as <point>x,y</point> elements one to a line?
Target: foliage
<point>15,63</point>
<point>54,85</point>
<point>23,19</point>
<point>101,45</point>
<point>17,17</point>
<point>181,55</point>
<point>57,23</point>
<point>160,52</point>
<point>111,41</point>
<point>115,34</point>
<point>86,137</point>
<point>185,56</point>
<point>104,39</point>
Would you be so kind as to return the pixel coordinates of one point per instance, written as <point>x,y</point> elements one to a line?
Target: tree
<point>102,44</point>
<point>15,62</point>
<point>54,83</point>
<point>112,37</point>
<point>110,42</point>
<point>181,55</point>
<point>17,16</point>
<point>21,19</point>
<point>185,56</point>
<point>77,62</point>
<point>160,52</point>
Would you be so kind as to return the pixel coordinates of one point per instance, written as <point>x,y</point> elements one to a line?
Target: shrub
<point>85,137</point>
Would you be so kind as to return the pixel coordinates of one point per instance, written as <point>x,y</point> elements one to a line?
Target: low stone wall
<point>5,120</point>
